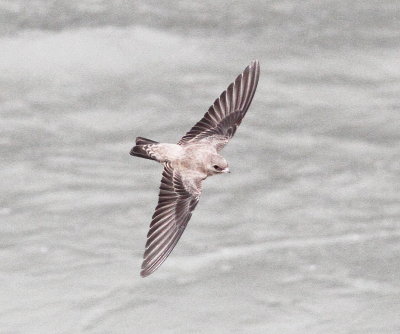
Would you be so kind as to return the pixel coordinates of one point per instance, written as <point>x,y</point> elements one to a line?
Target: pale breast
<point>197,157</point>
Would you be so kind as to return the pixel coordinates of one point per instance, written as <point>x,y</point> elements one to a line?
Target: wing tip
<point>150,267</point>
<point>255,62</point>
<point>144,273</point>
<point>147,270</point>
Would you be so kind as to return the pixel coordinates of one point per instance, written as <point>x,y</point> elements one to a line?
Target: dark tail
<point>143,148</point>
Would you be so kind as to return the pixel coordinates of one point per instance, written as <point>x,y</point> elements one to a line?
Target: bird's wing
<point>178,197</point>
<point>221,120</point>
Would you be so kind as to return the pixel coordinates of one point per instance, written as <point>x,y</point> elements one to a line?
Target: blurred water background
<point>302,237</point>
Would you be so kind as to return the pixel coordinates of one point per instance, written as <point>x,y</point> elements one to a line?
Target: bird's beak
<point>225,170</point>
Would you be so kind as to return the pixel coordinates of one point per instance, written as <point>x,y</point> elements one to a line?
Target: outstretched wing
<point>221,120</point>
<point>177,199</point>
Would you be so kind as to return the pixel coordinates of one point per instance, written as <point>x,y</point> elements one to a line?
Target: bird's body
<point>190,161</point>
<point>195,157</point>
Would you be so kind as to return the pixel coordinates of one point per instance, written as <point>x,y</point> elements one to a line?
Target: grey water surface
<point>302,237</point>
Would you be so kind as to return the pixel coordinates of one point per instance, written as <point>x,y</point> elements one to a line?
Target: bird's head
<point>218,165</point>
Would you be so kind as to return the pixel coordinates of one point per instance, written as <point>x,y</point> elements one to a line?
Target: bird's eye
<point>216,167</point>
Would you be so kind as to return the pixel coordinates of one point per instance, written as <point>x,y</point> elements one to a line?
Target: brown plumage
<point>190,161</point>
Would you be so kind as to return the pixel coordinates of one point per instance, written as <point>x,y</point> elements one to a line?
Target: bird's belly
<point>195,158</point>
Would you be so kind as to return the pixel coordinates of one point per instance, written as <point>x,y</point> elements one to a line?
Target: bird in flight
<point>189,162</point>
